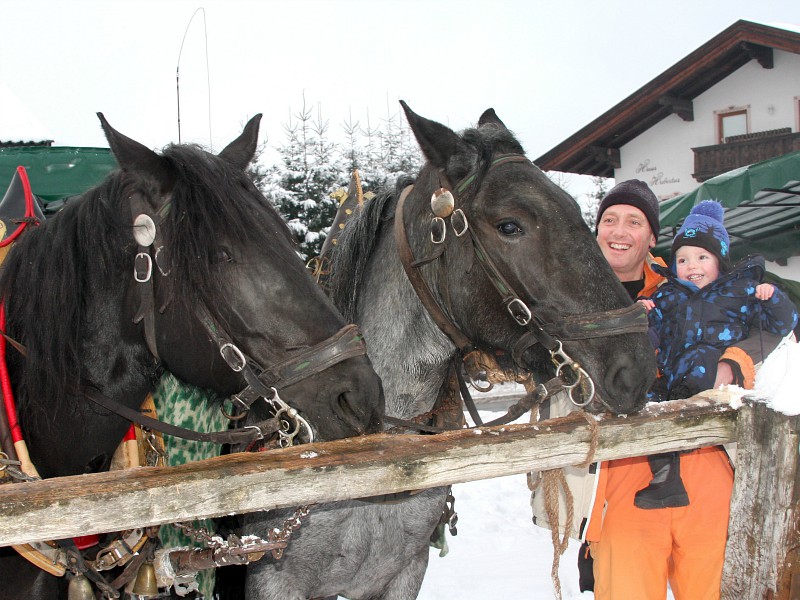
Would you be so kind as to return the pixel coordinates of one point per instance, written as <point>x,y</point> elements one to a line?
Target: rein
<point>631,319</point>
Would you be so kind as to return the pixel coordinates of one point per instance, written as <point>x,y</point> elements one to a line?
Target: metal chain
<point>290,525</point>
<point>284,534</point>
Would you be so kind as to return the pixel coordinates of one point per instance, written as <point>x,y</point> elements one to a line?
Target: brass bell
<point>80,588</point>
<point>145,584</point>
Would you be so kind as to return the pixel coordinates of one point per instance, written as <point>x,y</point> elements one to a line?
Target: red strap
<point>29,212</point>
<point>5,382</point>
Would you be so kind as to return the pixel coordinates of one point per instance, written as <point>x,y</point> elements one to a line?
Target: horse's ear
<point>133,156</point>
<point>242,150</point>
<point>437,142</point>
<point>490,117</point>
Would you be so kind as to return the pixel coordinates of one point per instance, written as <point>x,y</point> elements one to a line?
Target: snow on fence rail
<point>762,557</point>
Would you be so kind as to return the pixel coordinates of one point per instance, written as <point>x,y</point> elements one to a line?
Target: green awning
<point>762,208</point>
<point>56,172</point>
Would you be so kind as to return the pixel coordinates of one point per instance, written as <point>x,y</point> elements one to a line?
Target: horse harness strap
<point>147,234</point>
<point>262,382</point>
<point>419,284</point>
<point>233,436</point>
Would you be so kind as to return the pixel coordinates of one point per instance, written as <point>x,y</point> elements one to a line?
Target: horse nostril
<point>347,413</point>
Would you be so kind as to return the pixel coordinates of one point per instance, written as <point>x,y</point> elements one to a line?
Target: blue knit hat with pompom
<point>703,228</point>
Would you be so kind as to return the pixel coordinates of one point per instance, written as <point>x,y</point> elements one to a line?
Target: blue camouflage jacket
<point>692,327</point>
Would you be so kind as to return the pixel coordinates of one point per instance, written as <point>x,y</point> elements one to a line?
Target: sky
<point>547,67</point>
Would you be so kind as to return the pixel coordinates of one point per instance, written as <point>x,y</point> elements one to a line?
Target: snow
<point>778,379</point>
<point>498,552</point>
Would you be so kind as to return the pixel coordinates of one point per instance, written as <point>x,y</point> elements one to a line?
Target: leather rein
<point>444,203</point>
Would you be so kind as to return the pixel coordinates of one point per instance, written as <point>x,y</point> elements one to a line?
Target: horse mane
<point>355,246</point>
<point>86,251</point>
<point>357,242</point>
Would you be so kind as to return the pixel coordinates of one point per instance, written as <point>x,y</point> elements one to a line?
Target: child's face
<point>697,265</point>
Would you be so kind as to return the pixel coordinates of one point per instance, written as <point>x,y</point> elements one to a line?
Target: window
<point>731,122</point>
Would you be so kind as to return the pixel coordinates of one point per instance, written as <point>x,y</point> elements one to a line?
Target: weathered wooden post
<point>762,557</point>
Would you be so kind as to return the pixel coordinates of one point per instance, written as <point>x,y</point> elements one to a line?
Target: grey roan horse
<point>533,233</point>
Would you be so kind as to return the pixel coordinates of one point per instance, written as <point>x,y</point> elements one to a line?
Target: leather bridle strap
<point>346,343</point>
<point>234,436</point>
<point>419,284</point>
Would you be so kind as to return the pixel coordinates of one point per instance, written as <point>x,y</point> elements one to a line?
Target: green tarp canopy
<point>56,172</point>
<point>762,208</point>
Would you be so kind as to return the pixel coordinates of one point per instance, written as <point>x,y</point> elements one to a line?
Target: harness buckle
<point>237,355</point>
<point>436,224</point>
<point>520,312</point>
<point>142,267</point>
<point>463,217</point>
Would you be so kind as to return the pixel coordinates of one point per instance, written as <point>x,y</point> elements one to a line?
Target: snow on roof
<point>17,123</point>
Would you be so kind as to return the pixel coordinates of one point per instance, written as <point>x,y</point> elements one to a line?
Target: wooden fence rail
<point>762,556</point>
<point>353,468</point>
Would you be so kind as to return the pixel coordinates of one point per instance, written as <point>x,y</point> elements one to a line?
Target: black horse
<point>509,266</point>
<point>175,262</point>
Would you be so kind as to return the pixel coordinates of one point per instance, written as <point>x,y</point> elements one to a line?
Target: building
<point>733,102</point>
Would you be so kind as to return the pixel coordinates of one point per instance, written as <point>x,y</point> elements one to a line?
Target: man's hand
<point>648,304</point>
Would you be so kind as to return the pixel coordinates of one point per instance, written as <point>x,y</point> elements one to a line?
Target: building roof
<point>594,149</point>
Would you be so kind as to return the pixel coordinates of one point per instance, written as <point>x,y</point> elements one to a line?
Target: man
<point>632,546</point>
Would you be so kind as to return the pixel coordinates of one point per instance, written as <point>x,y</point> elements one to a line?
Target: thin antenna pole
<point>208,76</point>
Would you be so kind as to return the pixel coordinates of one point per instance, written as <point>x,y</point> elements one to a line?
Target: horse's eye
<point>223,256</point>
<point>509,228</point>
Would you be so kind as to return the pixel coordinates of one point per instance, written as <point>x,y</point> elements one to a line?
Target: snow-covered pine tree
<point>312,169</point>
<point>300,186</point>
<point>591,201</point>
<point>326,173</point>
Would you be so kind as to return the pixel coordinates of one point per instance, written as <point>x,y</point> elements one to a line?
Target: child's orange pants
<point>639,550</point>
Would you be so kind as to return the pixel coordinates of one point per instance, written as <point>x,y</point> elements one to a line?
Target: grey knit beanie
<point>633,192</point>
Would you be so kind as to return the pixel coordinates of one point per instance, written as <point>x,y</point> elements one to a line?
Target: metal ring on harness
<point>561,360</point>
<point>292,424</point>
<point>143,276</point>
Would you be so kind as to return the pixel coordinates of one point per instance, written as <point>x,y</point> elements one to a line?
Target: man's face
<point>625,239</point>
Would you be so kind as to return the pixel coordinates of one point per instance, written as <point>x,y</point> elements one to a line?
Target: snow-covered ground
<point>498,552</point>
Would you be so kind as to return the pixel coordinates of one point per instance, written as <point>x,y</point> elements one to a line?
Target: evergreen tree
<point>591,201</point>
<point>313,171</point>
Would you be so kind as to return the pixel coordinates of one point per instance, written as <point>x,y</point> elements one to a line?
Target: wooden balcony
<point>742,150</point>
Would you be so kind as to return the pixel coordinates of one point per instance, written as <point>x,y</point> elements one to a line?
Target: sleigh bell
<point>145,585</point>
<point>80,588</point>
<point>442,203</point>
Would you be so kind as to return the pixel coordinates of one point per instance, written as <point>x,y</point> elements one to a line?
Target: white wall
<point>662,156</point>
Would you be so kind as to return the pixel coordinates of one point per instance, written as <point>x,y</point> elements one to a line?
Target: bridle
<point>260,382</point>
<point>456,206</point>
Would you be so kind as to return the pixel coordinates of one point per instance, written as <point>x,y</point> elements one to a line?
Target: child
<point>705,306</point>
